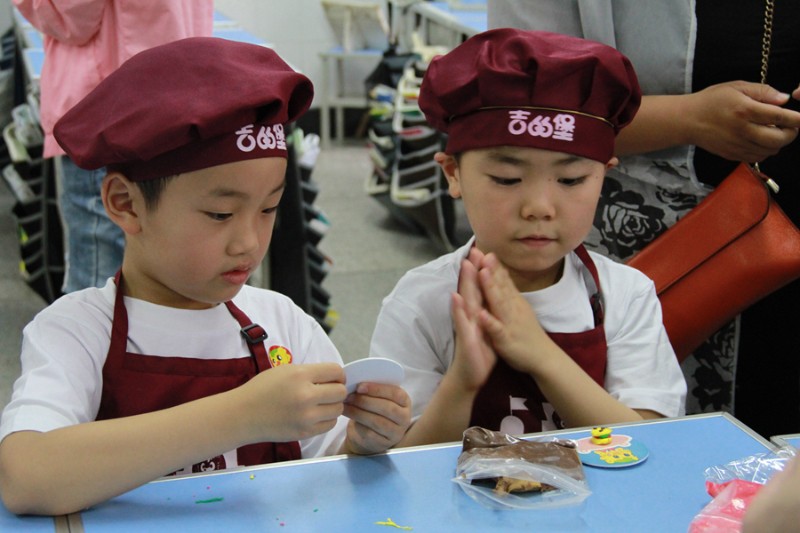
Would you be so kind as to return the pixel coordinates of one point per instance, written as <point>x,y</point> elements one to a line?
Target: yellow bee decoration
<point>601,436</point>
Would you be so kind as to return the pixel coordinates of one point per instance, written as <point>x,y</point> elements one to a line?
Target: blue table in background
<point>221,20</point>
<point>414,488</point>
<point>787,440</point>
<point>460,24</point>
<point>234,33</point>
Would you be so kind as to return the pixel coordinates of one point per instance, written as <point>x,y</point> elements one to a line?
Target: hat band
<point>553,109</point>
<point>253,141</point>
<point>557,130</point>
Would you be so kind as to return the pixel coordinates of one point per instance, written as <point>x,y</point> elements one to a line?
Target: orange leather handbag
<point>730,251</point>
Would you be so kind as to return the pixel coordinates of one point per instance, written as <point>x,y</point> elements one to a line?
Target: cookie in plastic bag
<point>503,472</point>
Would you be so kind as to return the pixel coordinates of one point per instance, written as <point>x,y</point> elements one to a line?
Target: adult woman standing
<point>699,118</point>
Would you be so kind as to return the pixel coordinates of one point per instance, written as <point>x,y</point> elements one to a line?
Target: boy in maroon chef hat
<point>176,361</point>
<point>522,330</point>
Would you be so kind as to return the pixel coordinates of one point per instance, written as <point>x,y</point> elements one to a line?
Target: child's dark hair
<point>151,190</point>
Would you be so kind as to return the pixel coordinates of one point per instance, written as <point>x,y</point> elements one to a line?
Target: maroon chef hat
<point>186,105</point>
<point>531,89</point>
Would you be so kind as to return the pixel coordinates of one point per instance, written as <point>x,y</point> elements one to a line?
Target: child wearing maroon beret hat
<point>176,365</point>
<point>522,330</point>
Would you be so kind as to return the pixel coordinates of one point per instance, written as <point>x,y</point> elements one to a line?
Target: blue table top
<point>223,20</point>
<point>33,39</point>
<point>19,20</point>
<point>25,524</point>
<point>787,440</point>
<point>414,488</point>
<point>33,58</point>
<point>338,51</point>
<point>237,34</point>
<point>469,21</point>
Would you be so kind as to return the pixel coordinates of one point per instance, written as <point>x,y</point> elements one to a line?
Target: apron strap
<point>253,334</point>
<point>596,299</point>
<point>119,324</point>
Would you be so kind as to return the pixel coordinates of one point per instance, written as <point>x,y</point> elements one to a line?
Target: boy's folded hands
<point>511,322</point>
<point>506,324</point>
<point>474,356</point>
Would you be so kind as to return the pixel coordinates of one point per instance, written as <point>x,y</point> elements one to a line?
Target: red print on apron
<point>511,401</point>
<point>134,383</point>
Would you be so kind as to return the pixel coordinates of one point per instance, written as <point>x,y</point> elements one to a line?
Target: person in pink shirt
<point>84,42</point>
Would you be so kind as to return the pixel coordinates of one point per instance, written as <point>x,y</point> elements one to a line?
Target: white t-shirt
<point>64,349</point>
<point>415,328</point>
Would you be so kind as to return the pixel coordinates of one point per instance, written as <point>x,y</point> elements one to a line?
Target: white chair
<point>362,31</point>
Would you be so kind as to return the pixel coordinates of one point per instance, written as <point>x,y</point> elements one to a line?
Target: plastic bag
<point>733,486</point>
<point>553,463</point>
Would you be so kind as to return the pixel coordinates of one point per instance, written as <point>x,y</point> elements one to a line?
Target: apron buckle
<point>254,334</point>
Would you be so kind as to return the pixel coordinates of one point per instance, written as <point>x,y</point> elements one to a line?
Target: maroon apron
<point>511,401</point>
<point>134,384</point>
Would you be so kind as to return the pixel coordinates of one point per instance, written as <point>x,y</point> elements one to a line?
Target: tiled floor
<point>370,251</point>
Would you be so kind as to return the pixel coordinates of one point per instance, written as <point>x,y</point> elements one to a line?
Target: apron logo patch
<point>279,355</point>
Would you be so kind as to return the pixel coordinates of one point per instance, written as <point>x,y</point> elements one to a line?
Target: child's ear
<point>613,162</point>
<point>449,166</point>
<point>118,195</point>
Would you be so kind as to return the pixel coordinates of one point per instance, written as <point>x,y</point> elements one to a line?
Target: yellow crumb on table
<point>391,523</point>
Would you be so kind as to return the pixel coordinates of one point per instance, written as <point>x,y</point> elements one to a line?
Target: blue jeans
<point>94,244</point>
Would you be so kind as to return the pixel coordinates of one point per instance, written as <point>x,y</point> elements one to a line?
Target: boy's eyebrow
<point>225,192</point>
<point>499,156</point>
<point>509,157</point>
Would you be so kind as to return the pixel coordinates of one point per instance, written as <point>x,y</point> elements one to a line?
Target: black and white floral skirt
<point>631,213</point>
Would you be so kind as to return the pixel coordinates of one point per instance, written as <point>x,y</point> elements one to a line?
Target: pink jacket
<point>85,40</point>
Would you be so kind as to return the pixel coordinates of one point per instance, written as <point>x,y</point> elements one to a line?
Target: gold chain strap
<point>766,40</point>
<point>766,45</point>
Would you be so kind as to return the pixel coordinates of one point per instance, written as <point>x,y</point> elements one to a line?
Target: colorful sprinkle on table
<point>210,500</point>
<point>389,522</point>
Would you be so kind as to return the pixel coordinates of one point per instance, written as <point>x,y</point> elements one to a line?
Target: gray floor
<point>369,250</point>
<point>18,303</point>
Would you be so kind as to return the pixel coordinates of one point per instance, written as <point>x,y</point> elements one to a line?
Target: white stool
<point>333,88</point>
<point>361,28</point>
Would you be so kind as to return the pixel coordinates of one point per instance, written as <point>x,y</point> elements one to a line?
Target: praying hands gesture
<point>497,319</point>
<point>505,319</point>
<point>450,409</point>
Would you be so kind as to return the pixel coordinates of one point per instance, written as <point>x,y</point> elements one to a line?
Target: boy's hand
<point>510,321</point>
<point>474,356</point>
<point>379,417</point>
<point>294,402</point>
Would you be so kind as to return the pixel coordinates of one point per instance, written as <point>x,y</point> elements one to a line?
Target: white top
<point>64,349</point>
<point>415,328</point>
